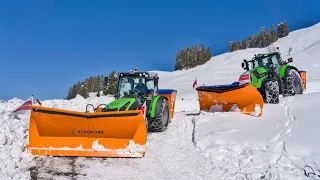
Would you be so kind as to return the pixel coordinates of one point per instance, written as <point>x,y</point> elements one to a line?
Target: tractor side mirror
<point>290,60</point>
<point>105,81</point>
<point>156,78</point>
<point>245,65</point>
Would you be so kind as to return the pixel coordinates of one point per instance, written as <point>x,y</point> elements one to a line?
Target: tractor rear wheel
<point>162,116</point>
<point>271,92</point>
<point>292,83</point>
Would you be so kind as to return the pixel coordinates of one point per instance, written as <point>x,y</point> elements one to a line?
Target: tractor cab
<point>272,62</point>
<point>133,84</point>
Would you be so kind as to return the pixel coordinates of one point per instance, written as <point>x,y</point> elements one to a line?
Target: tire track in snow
<point>54,168</point>
<point>281,161</point>
<point>170,155</point>
<point>194,131</point>
<point>286,128</point>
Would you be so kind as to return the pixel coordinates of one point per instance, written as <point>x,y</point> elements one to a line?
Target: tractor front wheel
<point>162,116</point>
<point>271,91</point>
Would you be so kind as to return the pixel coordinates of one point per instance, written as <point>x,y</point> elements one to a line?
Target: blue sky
<point>46,46</point>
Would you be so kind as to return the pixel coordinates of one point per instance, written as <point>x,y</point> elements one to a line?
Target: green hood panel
<point>257,75</point>
<point>122,104</point>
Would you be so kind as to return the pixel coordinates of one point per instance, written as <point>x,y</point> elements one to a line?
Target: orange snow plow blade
<point>303,76</point>
<point>57,132</point>
<point>233,97</point>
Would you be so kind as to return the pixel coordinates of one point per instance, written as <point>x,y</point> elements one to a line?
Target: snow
<point>133,149</point>
<point>210,145</point>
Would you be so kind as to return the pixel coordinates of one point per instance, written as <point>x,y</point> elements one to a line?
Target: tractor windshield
<point>268,61</point>
<point>131,85</point>
<point>261,62</point>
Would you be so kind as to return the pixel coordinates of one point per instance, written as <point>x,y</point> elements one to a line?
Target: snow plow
<point>235,97</point>
<point>70,133</point>
<point>116,129</point>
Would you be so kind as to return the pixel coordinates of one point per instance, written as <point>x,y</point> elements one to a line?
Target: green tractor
<point>134,89</point>
<point>272,76</point>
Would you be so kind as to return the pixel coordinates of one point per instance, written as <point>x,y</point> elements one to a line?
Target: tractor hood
<point>123,104</point>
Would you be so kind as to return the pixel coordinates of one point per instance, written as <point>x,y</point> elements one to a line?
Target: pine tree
<point>179,60</point>
<point>244,44</point>
<point>112,83</point>
<point>72,92</point>
<point>89,84</point>
<point>186,58</point>
<point>201,55</point>
<point>255,41</point>
<point>92,84</point>
<point>263,38</point>
<point>239,45</point>
<point>285,29</point>
<point>101,83</point>
<point>84,92</point>
<point>232,46</point>
<point>249,42</point>
<point>193,56</point>
<point>272,36</point>
<point>208,54</point>
<point>75,90</point>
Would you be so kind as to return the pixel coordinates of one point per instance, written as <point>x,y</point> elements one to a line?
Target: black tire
<point>271,92</point>
<point>292,83</point>
<point>161,121</point>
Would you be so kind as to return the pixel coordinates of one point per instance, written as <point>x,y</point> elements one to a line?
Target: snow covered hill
<point>210,146</point>
<point>226,68</point>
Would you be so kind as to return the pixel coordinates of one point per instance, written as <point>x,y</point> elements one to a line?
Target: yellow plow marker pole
<point>246,97</point>
<point>69,133</point>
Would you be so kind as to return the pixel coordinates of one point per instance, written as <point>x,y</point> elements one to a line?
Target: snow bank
<point>276,146</point>
<point>14,161</point>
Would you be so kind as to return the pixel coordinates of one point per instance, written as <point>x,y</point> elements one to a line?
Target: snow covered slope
<point>226,68</point>
<point>210,146</point>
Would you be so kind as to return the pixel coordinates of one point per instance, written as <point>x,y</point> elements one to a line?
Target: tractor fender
<point>288,69</point>
<point>155,106</point>
<point>285,70</point>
